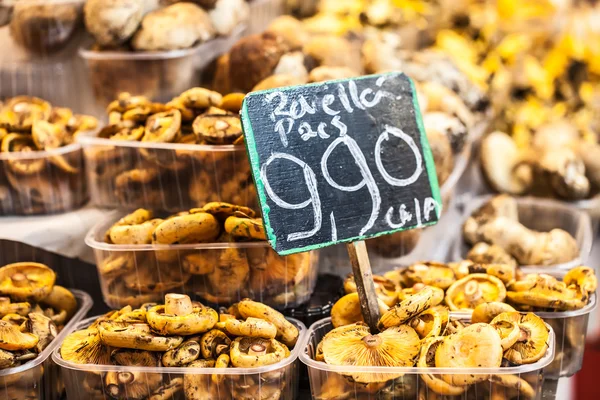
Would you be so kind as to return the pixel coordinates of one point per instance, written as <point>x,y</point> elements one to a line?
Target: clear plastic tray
<point>324,378</point>
<point>218,273</point>
<point>541,215</point>
<point>262,12</point>
<point>176,176</point>
<point>49,190</point>
<point>40,378</point>
<point>256,383</point>
<point>158,75</point>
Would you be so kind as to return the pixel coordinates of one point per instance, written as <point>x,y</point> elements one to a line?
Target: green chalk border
<point>255,165</point>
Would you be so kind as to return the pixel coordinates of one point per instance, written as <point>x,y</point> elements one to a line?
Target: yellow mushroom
<point>251,327</point>
<point>486,312</point>
<point>221,362</point>
<point>249,352</point>
<point>427,360</point>
<point>243,226</point>
<point>472,290</point>
<point>347,310</point>
<point>532,342</point>
<point>183,229</point>
<point>26,281</point>
<point>431,322</point>
<point>135,336</point>
<point>188,352</point>
<point>385,289</point>
<point>11,338</point>
<point>41,326</point>
<point>287,333</point>
<point>61,299</point>
<point>475,346</point>
<point>85,347</point>
<point>180,317</point>
<point>428,273</point>
<point>582,277</point>
<point>407,309</point>
<point>214,343</point>
<point>134,234</point>
<point>6,307</point>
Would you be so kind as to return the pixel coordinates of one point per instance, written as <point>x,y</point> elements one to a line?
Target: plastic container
<point>46,188</point>
<point>262,13</point>
<point>158,75</point>
<point>540,215</point>
<point>326,381</point>
<point>165,176</point>
<point>238,383</point>
<point>41,378</point>
<point>218,273</point>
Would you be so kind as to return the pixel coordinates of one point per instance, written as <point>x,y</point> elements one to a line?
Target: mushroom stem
<point>125,377</point>
<point>257,350</point>
<point>26,357</point>
<point>372,340</point>
<point>472,291</point>
<point>523,335</point>
<point>417,287</point>
<point>19,280</point>
<point>222,349</point>
<point>178,304</point>
<point>418,325</point>
<point>111,382</point>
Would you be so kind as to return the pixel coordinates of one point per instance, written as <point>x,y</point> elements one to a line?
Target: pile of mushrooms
<point>498,237</point>
<point>186,334</point>
<point>33,310</point>
<point>418,331</point>
<point>220,275</point>
<point>197,116</point>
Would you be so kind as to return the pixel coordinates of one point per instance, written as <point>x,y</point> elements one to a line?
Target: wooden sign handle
<point>361,267</point>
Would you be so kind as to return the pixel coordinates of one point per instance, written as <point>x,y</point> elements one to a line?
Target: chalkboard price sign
<point>340,161</point>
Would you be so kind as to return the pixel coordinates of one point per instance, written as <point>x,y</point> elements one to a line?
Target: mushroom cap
<point>84,347</point>
<point>11,338</point>
<point>61,298</point>
<point>427,360</point>
<point>472,290</point>
<point>428,273</point>
<point>200,320</point>
<point>502,164</point>
<point>135,336</point>
<point>533,340</point>
<point>249,352</point>
<point>583,277</point>
<point>498,206</point>
<point>477,345</point>
<point>251,327</point>
<point>26,281</point>
<point>407,308</point>
<point>509,332</point>
<point>223,210</point>
<point>191,228</point>
<point>486,312</point>
<point>394,347</point>
<point>385,288</point>
<point>240,226</point>
<point>210,342</point>
<point>514,382</point>
<point>347,310</point>
<point>431,322</point>
<point>484,253</point>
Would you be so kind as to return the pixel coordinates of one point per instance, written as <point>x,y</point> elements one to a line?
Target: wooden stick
<point>361,267</point>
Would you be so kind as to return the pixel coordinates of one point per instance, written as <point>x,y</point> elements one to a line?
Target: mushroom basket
<point>534,216</point>
<point>274,381</point>
<point>218,273</point>
<point>41,378</point>
<point>354,382</point>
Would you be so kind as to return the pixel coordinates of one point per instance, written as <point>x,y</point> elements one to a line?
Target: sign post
<point>340,162</point>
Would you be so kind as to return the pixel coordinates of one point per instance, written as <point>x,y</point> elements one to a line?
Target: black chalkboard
<point>340,161</point>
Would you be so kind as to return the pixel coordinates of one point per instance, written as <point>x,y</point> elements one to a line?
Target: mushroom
<point>214,342</point>
<point>42,327</point>
<point>134,234</point>
<point>545,291</point>
<point>431,322</point>
<point>157,279</point>
<point>218,128</point>
<point>11,359</point>
<point>200,98</point>
<point>477,345</point>
<point>61,299</point>
<point>472,290</point>
<point>251,327</point>
<point>426,359</point>
<point>583,278</point>
<point>483,253</point>
<point>499,206</point>
<point>505,167</point>
<point>135,336</point>
<point>137,217</point>
<point>184,229</point>
<point>137,358</point>
<point>221,362</point>
<point>441,150</point>
<point>437,298</point>
<point>287,333</point>
<point>407,309</point>
<point>186,353</point>
<point>223,210</point>
<point>508,381</point>
<point>20,112</point>
<point>428,273</point>
<point>199,386</point>
<point>532,342</point>
<point>325,73</point>
<point>6,307</point>
<point>84,347</point>
<point>180,317</point>
<point>486,312</point>
<point>354,345</point>
<point>385,289</point>
<point>244,226</point>
<point>233,102</point>
<point>11,338</point>
<point>26,281</point>
<point>505,272</point>
<point>247,352</point>
<point>509,333</point>
<point>21,143</point>
<point>347,310</point>
<point>167,391</point>
<point>162,127</point>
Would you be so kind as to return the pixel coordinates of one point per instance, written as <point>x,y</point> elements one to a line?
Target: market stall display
<point>35,314</point>
<point>218,252</point>
<point>41,166</point>
<point>170,156</point>
<point>188,351</point>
